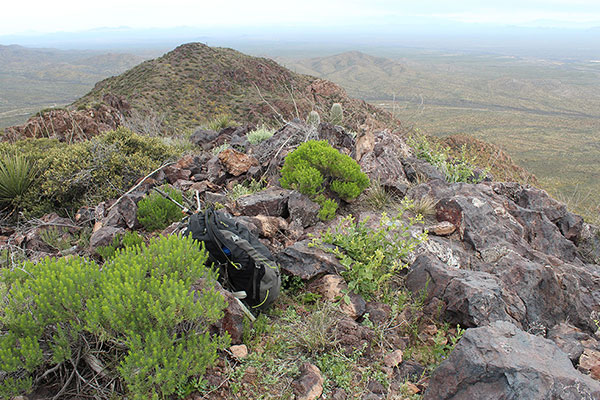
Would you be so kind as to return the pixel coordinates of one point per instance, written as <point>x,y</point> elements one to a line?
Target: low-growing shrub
<point>246,188</point>
<point>72,175</point>
<point>129,239</point>
<point>315,165</point>
<point>155,212</point>
<point>371,256</point>
<point>135,320</point>
<point>260,134</point>
<point>455,169</point>
<point>220,122</point>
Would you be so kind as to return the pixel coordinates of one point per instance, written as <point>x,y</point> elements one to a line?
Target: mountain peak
<point>194,82</point>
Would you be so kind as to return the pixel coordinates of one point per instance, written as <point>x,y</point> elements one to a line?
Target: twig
<point>139,184</point>
<point>269,104</point>
<point>70,376</point>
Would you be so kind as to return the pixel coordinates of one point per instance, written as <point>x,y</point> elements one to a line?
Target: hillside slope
<point>194,82</point>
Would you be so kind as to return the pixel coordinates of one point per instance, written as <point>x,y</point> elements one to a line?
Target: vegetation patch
<point>72,175</point>
<point>372,255</point>
<point>460,168</point>
<point>69,324</point>
<point>156,212</point>
<point>316,166</point>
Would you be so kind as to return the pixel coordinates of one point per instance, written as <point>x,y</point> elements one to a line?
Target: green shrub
<point>130,239</point>
<point>220,122</point>
<point>17,173</point>
<point>260,134</point>
<point>136,316</point>
<point>315,163</point>
<point>155,212</point>
<point>328,208</point>
<point>72,175</point>
<point>457,169</point>
<point>371,256</point>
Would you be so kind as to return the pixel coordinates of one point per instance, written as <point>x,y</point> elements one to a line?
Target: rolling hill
<point>194,83</point>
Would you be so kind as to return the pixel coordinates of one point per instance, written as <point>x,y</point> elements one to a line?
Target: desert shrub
<point>455,169</point>
<point>220,122</point>
<point>371,255</point>
<point>314,164</point>
<point>260,134</point>
<point>328,208</point>
<point>155,212</point>
<point>246,188</point>
<point>136,317</point>
<point>17,173</point>
<point>72,175</point>
<point>129,239</point>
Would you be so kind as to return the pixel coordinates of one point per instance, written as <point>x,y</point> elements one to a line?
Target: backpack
<point>245,264</point>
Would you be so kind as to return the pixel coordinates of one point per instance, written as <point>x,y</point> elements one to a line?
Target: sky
<point>27,16</point>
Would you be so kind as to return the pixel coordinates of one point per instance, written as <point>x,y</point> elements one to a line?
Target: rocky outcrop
<point>67,125</point>
<point>500,361</point>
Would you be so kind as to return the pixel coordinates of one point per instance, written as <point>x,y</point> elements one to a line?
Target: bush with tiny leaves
<point>155,212</point>
<point>314,165</point>
<point>136,317</point>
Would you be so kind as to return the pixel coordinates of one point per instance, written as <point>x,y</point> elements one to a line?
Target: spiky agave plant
<point>17,174</point>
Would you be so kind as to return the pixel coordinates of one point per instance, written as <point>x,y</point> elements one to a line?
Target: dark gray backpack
<point>245,264</point>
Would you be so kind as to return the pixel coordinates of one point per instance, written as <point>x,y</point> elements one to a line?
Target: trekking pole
<point>166,195</point>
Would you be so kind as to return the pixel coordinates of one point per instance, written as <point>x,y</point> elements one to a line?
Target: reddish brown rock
<point>236,163</point>
<point>334,288</point>
<point>309,385</point>
<point>67,125</point>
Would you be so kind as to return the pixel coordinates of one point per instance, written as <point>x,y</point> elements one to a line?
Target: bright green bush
<point>314,164</point>
<point>328,208</point>
<point>72,175</point>
<point>136,316</point>
<point>129,239</point>
<point>155,212</point>
<point>371,256</point>
<point>17,173</point>
<point>260,135</point>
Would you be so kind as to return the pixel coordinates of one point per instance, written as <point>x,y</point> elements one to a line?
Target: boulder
<point>104,236</point>
<point>336,136</point>
<point>470,298</point>
<point>307,262</point>
<point>303,209</point>
<point>203,137</point>
<point>417,170</point>
<point>235,162</point>
<point>271,202</point>
<point>383,164</point>
<point>500,361</point>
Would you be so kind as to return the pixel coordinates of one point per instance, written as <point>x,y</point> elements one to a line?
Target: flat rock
<point>271,202</point>
<point>307,262</point>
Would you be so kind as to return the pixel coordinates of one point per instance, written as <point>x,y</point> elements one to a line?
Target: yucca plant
<point>17,173</point>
